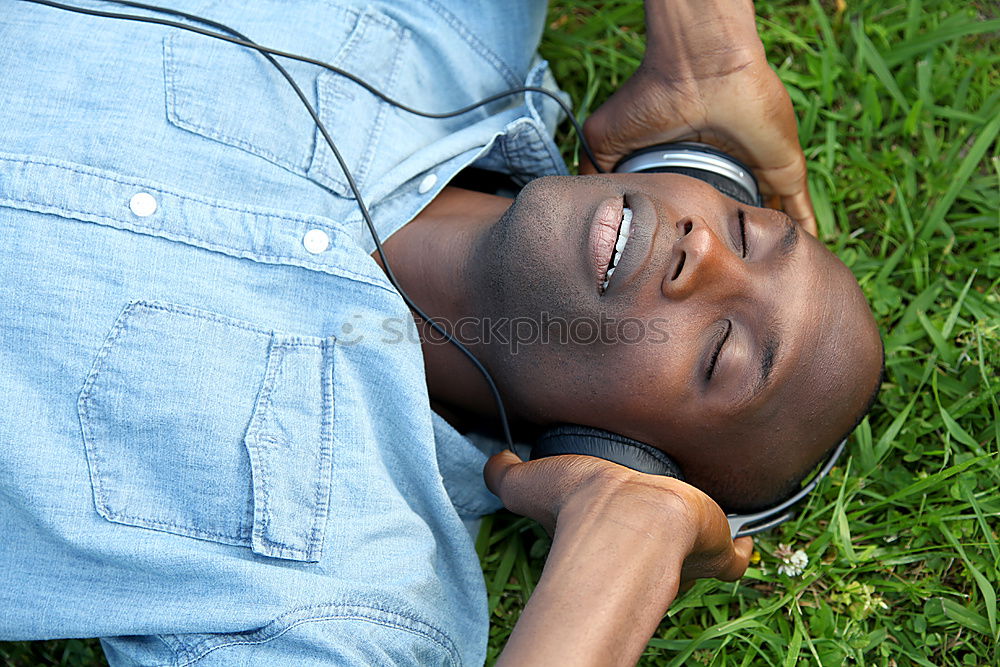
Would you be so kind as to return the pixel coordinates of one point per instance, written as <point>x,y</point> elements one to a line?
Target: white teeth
<point>623,234</point>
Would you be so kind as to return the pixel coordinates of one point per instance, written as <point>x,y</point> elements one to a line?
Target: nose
<point>702,261</point>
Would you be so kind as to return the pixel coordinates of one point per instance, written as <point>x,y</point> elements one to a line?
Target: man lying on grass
<point>201,464</point>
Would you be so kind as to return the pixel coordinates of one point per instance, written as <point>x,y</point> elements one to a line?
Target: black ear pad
<point>573,439</point>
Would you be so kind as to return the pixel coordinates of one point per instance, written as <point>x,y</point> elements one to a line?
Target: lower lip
<point>603,235</point>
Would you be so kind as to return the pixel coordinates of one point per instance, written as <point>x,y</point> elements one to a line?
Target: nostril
<point>680,266</point>
<point>688,226</point>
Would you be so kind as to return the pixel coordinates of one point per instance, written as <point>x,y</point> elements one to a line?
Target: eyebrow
<point>771,340</point>
<point>769,350</point>
<point>789,240</point>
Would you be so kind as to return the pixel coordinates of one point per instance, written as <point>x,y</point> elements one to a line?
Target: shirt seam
<point>477,45</point>
<point>117,223</point>
<point>188,655</point>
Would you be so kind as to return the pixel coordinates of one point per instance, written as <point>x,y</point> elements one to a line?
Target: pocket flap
<point>202,425</point>
<point>292,422</point>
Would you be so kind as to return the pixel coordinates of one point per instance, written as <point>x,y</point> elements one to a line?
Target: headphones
<point>734,179</point>
<point>720,170</point>
<point>701,161</point>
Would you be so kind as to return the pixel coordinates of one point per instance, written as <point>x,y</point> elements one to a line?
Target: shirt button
<point>143,204</point>
<point>316,241</point>
<point>427,183</point>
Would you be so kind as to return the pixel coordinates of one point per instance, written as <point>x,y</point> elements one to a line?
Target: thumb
<point>521,487</point>
<point>496,471</point>
<point>799,207</point>
<point>601,134</point>
<point>743,548</point>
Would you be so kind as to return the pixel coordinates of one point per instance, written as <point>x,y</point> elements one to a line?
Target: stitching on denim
<point>260,472</point>
<point>169,78</point>
<point>115,223</point>
<point>536,77</point>
<point>324,473</point>
<point>84,403</point>
<point>521,138</point>
<point>366,613</point>
<point>480,47</point>
<point>323,169</point>
<point>175,111</point>
<point>378,126</point>
<point>173,646</point>
<point>197,313</point>
<point>289,342</point>
<point>177,528</point>
<point>278,350</point>
<point>322,150</point>
<point>261,463</point>
<point>318,159</point>
<point>310,220</point>
<point>83,408</point>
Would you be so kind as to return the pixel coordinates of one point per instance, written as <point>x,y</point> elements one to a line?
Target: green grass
<point>899,110</point>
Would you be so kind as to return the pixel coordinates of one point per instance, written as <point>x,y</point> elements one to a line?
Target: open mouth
<point>624,228</point>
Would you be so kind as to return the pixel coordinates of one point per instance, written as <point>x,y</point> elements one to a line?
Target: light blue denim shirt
<point>217,446</point>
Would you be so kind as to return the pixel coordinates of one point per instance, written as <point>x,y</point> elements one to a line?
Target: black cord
<point>244,41</point>
<point>269,54</point>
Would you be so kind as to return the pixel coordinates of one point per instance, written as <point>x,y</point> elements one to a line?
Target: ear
<point>574,439</point>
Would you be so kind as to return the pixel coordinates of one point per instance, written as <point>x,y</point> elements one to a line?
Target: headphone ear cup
<point>573,439</point>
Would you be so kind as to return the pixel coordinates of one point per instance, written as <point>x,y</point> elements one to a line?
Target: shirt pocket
<point>209,83</point>
<point>202,425</point>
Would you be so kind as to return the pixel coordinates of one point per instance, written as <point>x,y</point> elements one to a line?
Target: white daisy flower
<point>793,563</point>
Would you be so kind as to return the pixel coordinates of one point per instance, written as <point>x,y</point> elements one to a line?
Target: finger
<point>789,182</point>
<point>529,489</point>
<point>586,166</point>
<point>799,207</point>
<point>496,470</point>
<point>607,133</point>
<point>742,549</point>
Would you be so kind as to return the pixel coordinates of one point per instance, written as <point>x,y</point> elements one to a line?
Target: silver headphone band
<point>748,524</point>
<point>689,158</point>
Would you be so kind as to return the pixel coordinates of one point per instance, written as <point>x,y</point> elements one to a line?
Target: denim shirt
<point>225,449</point>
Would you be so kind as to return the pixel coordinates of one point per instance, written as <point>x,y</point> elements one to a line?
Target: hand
<point>623,544</point>
<point>728,97</point>
<point>566,493</point>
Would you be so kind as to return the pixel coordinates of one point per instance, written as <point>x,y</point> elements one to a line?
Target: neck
<point>431,257</point>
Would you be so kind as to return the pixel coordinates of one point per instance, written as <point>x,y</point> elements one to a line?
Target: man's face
<point>726,335</point>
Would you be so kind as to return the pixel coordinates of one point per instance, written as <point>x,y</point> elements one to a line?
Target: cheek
<point>642,389</point>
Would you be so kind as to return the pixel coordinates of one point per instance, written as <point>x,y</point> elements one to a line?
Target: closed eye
<point>743,233</point>
<point>710,370</point>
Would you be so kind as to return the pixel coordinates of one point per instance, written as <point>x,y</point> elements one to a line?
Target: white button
<point>427,183</point>
<point>143,204</point>
<point>316,241</point>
